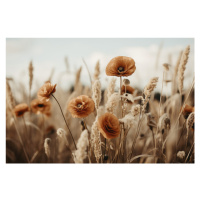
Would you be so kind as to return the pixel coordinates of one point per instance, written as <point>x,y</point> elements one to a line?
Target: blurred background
<point>62,57</point>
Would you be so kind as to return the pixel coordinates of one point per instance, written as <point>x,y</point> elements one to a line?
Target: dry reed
<point>181,68</point>
<point>80,154</point>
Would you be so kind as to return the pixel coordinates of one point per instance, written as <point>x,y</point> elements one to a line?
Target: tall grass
<point>152,130</point>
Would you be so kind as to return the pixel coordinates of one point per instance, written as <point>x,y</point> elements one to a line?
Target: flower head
<point>45,91</point>
<point>109,126</point>
<point>20,109</point>
<point>39,107</point>
<point>181,154</point>
<point>187,110</point>
<point>121,66</point>
<point>126,82</point>
<point>81,106</point>
<point>127,89</point>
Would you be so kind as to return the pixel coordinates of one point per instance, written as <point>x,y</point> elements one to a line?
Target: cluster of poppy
<point>82,106</point>
<point>41,105</point>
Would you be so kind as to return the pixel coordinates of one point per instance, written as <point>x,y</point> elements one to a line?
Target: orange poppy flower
<point>20,109</point>
<point>41,107</point>
<point>109,126</point>
<point>127,89</point>
<point>45,91</point>
<point>121,66</point>
<point>187,110</point>
<point>81,106</point>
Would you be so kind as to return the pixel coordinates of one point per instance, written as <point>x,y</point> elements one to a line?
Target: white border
<point>98,19</point>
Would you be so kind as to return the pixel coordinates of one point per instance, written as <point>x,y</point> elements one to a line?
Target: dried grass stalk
<point>10,98</point>
<point>189,125</point>
<point>127,120</point>
<point>177,64</point>
<point>190,121</point>
<point>111,87</point>
<point>96,93</point>
<point>164,122</point>
<point>181,68</point>
<point>135,110</point>
<point>96,140</point>
<point>174,83</point>
<point>80,154</point>
<point>166,66</point>
<point>77,80</point>
<point>112,102</point>
<point>47,147</point>
<point>148,90</point>
<point>30,75</point>
<point>181,155</point>
<point>97,71</point>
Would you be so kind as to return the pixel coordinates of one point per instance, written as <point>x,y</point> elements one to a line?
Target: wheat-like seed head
<point>148,90</point>
<point>96,93</point>
<point>164,122</point>
<point>166,66</point>
<point>97,71</point>
<point>177,64</point>
<point>111,87</point>
<point>77,81</point>
<point>96,140</point>
<point>47,147</point>
<point>135,110</point>
<point>10,98</point>
<point>61,132</point>
<point>181,154</point>
<point>127,120</point>
<point>181,68</point>
<point>190,121</point>
<point>112,102</point>
<point>80,154</point>
<point>30,75</point>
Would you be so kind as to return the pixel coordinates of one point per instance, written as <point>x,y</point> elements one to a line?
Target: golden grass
<point>152,130</point>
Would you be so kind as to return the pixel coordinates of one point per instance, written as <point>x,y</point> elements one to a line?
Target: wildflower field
<point>92,124</point>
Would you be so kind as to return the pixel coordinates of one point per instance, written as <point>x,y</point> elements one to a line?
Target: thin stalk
<point>122,125</point>
<point>105,148</point>
<point>121,94</point>
<point>27,133</point>
<point>189,152</point>
<point>89,148</point>
<point>67,145</point>
<point>20,139</point>
<point>64,120</point>
<point>161,95</point>
<point>43,127</point>
<point>88,71</point>
<point>159,114</point>
<point>184,103</point>
<point>25,125</point>
<point>29,101</point>
<point>137,133</point>
<point>180,112</point>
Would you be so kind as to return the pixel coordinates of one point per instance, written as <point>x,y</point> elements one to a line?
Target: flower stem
<point>122,125</point>
<point>189,152</point>
<point>20,139</point>
<point>89,136</point>
<point>64,120</point>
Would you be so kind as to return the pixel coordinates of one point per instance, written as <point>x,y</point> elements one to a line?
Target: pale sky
<point>48,53</point>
